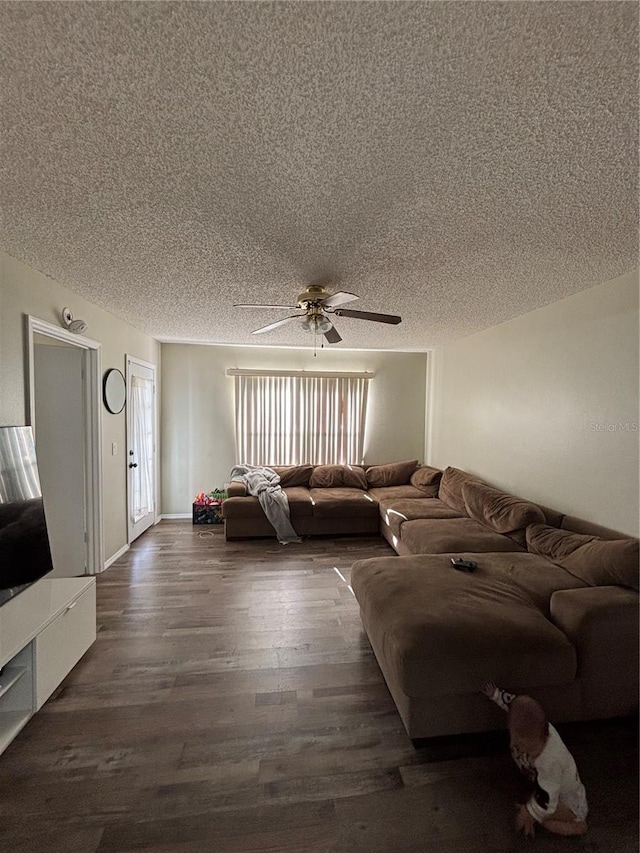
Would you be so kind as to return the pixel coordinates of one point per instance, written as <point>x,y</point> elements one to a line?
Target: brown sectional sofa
<point>551,610</point>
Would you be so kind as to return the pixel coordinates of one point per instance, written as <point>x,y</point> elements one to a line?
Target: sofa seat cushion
<point>299,497</point>
<point>395,512</point>
<point>241,507</point>
<point>537,576</point>
<point>342,502</point>
<point>443,632</point>
<point>385,493</point>
<point>453,535</point>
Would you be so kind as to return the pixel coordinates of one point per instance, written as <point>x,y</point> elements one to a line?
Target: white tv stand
<point>44,631</point>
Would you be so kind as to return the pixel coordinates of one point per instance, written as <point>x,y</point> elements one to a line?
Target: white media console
<point>44,631</point>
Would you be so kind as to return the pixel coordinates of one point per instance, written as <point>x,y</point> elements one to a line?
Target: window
<point>293,418</point>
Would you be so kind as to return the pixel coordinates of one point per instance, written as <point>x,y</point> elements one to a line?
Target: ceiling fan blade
<point>339,298</point>
<point>393,319</point>
<point>276,325</point>
<point>255,305</point>
<point>332,336</point>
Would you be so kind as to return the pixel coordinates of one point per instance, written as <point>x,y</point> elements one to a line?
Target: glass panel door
<point>141,447</point>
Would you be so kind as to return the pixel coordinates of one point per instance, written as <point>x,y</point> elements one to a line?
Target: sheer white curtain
<point>142,441</point>
<point>289,419</point>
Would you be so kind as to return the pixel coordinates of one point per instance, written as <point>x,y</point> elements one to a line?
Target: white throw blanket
<point>264,483</point>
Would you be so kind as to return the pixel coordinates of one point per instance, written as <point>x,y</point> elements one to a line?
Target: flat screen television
<point>25,555</point>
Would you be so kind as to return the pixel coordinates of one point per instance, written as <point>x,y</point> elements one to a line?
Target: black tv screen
<point>25,555</point>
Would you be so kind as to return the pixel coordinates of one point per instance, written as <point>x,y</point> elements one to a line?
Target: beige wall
<point>198,446</point>
<point>546,405</point>
<point>25,291</point>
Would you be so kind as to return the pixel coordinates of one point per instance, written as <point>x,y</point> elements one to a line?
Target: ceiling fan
<point>316,304</point>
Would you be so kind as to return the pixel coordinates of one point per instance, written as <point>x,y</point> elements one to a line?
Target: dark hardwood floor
<point>231,703</point>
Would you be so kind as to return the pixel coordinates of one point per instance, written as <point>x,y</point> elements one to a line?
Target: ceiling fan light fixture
<point>316,323</point>
<point>319,306</point>
<point>323,324</point>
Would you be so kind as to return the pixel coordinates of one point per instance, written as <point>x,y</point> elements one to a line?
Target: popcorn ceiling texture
<point>455,163</point>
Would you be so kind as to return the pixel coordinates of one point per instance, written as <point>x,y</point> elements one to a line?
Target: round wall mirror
<point>114,391</point>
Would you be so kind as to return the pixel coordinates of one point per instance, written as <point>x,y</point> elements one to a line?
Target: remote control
<point>463,565</point>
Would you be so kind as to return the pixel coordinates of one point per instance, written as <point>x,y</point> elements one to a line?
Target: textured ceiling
<point>458,163</point>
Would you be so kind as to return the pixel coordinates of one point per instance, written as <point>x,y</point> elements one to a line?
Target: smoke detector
<point>76,326</point>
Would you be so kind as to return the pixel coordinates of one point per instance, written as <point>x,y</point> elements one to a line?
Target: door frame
<point>92,370</point>
<point>129,360</point>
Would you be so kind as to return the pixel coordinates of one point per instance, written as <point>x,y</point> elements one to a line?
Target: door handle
<point>133,464</point>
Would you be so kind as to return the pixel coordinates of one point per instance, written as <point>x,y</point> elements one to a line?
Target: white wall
<point>546,405</point>
<point>24,291</point>
<point>198,445</point>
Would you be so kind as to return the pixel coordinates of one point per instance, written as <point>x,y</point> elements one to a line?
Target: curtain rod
<point>323,374</point>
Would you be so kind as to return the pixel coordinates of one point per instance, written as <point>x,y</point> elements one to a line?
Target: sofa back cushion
<point>427,479</point>
<point>337,476</point>
<point>502,512</point>
<point>293,475</point>
<point>597,562</point>
<point>393,474</point>
<point>451,484</point>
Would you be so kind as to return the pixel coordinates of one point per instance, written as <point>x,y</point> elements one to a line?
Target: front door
<point>141,446</point>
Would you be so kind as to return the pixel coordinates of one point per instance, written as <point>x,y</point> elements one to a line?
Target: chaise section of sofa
<point>552,611</point>
<point>438,634</point>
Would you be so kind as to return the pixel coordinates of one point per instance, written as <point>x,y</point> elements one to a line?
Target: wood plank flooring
<point>232,704</point>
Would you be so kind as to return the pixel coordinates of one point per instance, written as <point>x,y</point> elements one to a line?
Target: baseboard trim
<point>116,556</point>
<point>174,515</point>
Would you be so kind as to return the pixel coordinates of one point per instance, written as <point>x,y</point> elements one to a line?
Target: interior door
<point>141,446</point>
<point>60,444</point>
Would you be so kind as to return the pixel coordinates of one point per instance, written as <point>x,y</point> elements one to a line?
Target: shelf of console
<point>44,631</point>
<point>10,676</point>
